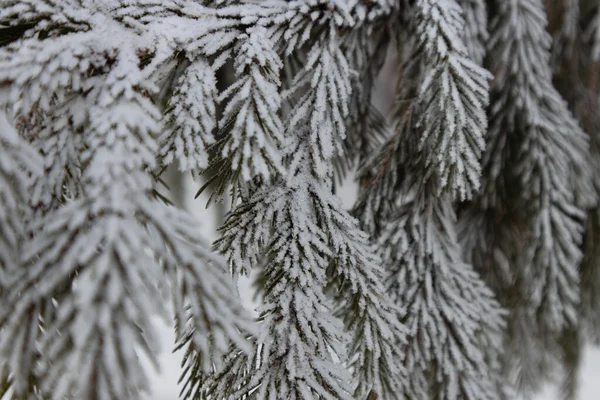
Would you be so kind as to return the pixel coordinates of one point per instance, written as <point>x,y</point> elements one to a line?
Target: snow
<point>311,229</point>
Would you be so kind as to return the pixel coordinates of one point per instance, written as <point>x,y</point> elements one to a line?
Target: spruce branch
<point>453,96</point>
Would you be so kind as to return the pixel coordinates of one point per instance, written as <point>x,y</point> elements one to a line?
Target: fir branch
<point>450,312</point>
<point>191,116</point>
<point>476,34</point>
<point>453,97</point>
<point>550,138</point>
<point>250,127</point>
<point>369,315</point>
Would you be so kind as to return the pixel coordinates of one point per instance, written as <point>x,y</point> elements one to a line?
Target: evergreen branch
<point>453,97</point>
